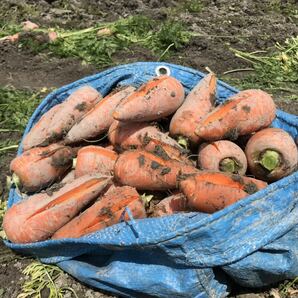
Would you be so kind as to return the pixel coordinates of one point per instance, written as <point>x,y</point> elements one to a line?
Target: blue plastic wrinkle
<point>252,242</point>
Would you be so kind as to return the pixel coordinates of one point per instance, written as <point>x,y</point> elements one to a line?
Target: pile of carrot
<point>93,161</point>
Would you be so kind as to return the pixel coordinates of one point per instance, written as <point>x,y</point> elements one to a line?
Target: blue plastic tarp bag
<point>252,242</point>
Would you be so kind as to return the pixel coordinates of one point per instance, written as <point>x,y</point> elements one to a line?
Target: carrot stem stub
<point>229,165</point>
<point>270,160</point>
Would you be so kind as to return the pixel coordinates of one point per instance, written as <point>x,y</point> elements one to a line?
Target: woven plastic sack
<point>252,242</point>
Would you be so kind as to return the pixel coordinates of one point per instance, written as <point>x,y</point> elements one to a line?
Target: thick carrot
<point>197,104</point>
<point>40,216</point>
<point>146,171</point>
<point>142,135</point>
<point>41,166</point>
<point>222,156</point>
<point>95,160</point>
<point>170,205</point>
<point>213,191</point>
<point>156,99</point>
<point>271,154</point>
<point>246,112</point>
<point>105,212</point>
<point>98,119</point>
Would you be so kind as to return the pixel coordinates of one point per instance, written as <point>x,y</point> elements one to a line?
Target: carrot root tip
<point>229,165</point>
<point>270,160</point>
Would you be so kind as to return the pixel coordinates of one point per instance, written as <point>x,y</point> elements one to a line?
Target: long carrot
<point>98,119</point>
<point>105,212</point>
<point>271,154</point>
<point>170,205</point>
<point>40,216</point>
<point>246,112</point>
<point>156,99</point>
<point>58,121</point>
<point>95,160</point>
<point>39,167</point>
<point>197,104</point>
<point>213,191</point>
<point>222,156</point>
<point>144,170</point>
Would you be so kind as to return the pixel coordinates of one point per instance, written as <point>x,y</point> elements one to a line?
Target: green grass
<point>42,279</point>
<point>161,38</point>
<point>273,71</point>
<point>16,107</point>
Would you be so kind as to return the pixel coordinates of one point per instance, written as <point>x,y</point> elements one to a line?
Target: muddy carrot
<point>271,154</point>
<point>39,167</point>
<point>146,171</point>
<point>142,135</point>
<point>213,191</point>
<point>99,118</point>
<point>222,156</point>
<point>246,112</point>
<point>55,123</point>
<point>40,216</point>
<point>198,103</point>
<point>95,160</point>
<point>107,211</point>
<point>170,205</point>
<point>156,99</point>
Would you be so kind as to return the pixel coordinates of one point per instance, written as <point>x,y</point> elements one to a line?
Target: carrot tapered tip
<point>116,115</point>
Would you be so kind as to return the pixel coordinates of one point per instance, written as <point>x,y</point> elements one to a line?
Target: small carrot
<point>213,191</point>
<point>146,171</point>
<point>107,211</point>
<point>197,104</point>
<point>99,118</point>
<point>170,205</point>
<point>271,154</point>
<point>40,216</point>
<point>222,156</point>
<point>244,113</point>
<point>58,121</point>
<point>95,160</point>
<point>156,99</point>
<point>41,166</point>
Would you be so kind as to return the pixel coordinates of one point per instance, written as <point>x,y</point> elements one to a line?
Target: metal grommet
<point>162,70</point>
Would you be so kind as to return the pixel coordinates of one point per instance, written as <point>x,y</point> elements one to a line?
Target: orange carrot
<point>271,154</point>
<point>95,160</point>
<point>40,216</point>
<point>212,191</point>
<point>98,119</point>
<point>197,104</point>
<point>170,205</point>
<point>58,121</point>
<point>156,99</point>
<point>144,170</point>
<point>41,166</point>
<point>222,156</point>
<point>246,112</point>
<point>105,212</point>
<point>132,135</point>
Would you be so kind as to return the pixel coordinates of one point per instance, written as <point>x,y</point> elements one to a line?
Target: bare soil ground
<point>246,25</point>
